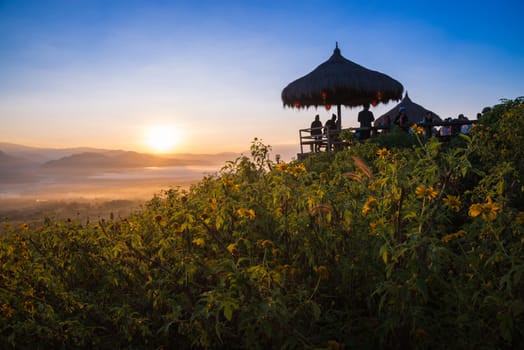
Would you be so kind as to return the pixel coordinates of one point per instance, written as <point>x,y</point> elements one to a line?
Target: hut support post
<point>339,121</point>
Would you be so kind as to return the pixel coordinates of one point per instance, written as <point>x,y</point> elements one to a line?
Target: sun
<point>162,138</point>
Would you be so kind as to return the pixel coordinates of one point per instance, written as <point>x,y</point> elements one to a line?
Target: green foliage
<point>394,138</point>
<point>376,246</point>
<point>497,146</point>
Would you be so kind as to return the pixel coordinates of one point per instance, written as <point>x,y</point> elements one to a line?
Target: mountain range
<point>72,172</point>
<point>19,156</point>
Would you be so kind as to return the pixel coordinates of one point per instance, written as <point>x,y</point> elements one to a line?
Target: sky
<point>206,76</point>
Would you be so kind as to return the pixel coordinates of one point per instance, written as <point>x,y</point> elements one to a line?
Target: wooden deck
<point>328,141</point>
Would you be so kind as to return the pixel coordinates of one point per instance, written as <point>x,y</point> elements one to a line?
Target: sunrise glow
<point>162,138</point>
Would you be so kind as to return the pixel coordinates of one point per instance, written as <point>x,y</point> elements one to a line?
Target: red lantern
<point>373,103</point>
<point>328,106</point>
<point>296,104</point>
<point>324,95</point>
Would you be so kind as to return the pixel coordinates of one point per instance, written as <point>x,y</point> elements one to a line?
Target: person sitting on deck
<point>331,128</point>
<point>365,118</point>
<point>316,132</point>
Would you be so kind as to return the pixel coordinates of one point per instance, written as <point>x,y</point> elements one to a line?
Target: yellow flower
<point>383,153</point>
<point>199,242</point>
<point>281,166</point>
<point>492,209</point>
<point>475,210</point>
<point>416,129</point>
<point>7,310</point>
<point>232,248</point>
<point>373,226</point>
<point>425,192</point>
<point>300,168</point>
<point>372,201</point>
<point>450,236</point>
<point>246,213</point>
<point>452,202</point>
<point>293,170</point>
<point>230,184</point>
<point>488,210</point>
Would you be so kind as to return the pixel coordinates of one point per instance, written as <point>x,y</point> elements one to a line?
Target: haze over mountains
<point>91,183</point>
<point>83,171</point>
<point>80,156</point>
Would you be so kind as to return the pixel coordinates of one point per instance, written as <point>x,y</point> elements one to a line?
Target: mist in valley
<point>90,183</point>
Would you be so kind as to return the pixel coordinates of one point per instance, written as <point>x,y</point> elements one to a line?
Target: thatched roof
<point>339,81</point>
<point>415,112</point>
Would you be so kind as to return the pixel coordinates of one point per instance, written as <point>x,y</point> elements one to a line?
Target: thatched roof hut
<point>341,82</point>
<point>414,111</point>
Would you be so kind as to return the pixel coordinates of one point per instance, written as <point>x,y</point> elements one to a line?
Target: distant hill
<point>42,155</point>
<point>12,168</point>
<point>105,158</point>
<point>6,159</point>
<point>114,160</point>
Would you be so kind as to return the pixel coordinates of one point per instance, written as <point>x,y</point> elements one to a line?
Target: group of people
<point>317,130</point>
<point>366,118</point>
<point>401,120</point>
<point>456,126</point>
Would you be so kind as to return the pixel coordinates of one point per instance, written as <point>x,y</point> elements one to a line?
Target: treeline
<point>376,246</point>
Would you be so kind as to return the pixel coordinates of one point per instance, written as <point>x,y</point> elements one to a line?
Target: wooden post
<point>339,121</point>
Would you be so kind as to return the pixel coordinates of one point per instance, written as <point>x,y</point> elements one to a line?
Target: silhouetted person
<point>331,125</point>
<point>427,121</point>
<point>316,132</point>
<point>365,118</point>
<point>331,128</point>
<point>385,123</point>
<point>455,128</point>
<point>464,128</point>
<point>402,118</point>
<point>445,130</point>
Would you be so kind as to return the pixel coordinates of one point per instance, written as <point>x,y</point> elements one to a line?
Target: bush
<point>371,247</point>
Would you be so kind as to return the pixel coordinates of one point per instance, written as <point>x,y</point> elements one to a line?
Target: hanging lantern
<point>374,103</point>
<point>296,104</point>
<point>379,95</point>
<point>324,95</point>
<point>328,106</point>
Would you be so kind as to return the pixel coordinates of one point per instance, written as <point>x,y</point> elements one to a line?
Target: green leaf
<point>228,311</point>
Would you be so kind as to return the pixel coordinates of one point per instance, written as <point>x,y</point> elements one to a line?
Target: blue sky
<point>103,73</point>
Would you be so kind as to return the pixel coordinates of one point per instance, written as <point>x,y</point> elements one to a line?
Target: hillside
<point>114,160</point>
<point>377,246</point>
<point>7,160</point>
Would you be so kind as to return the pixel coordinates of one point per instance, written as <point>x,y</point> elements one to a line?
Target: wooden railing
<point>328,140</point>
